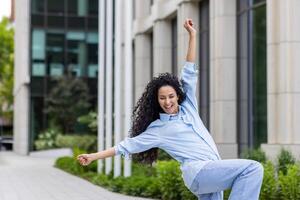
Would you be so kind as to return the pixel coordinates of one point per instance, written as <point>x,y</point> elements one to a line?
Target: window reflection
<point>76,52</point>
<point>252,76</point>
<point>56,6</point>
<point>55,53</point>
<point>37,6</point>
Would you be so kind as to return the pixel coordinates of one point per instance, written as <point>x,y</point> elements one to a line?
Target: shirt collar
<point>167,117</point>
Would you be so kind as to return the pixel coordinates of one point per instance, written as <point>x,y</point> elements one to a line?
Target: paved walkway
<point>31,178</point>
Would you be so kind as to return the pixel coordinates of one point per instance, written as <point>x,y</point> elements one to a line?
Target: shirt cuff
<point>121,152</point>
<point>190,67</point>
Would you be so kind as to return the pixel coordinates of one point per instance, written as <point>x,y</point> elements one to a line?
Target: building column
<point>142,42</point>
<point>108,82</point>
<point>186,10</point>
<point>142,63</point>
<point>283,45</point>
<point>22,78</point>
<point>128,98</point>
<point>223,84</point>
<point>162,47</point>
<point>117,84</point>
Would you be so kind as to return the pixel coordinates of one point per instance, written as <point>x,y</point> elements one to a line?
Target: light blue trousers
<point>243,177</point>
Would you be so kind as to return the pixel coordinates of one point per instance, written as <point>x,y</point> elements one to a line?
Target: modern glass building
<point>62,39</point>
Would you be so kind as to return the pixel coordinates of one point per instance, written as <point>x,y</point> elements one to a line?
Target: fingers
<point>188,23</point>
<point>83,159</point>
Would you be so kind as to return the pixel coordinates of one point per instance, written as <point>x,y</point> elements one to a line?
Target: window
<point>251,74</point>
<point>38,53</point>
<point>56,7</point>
<point>55,53</point>
<point>174,46</point>
<point>204,62</point>
<point>64,39</point>
<point>77,7</point>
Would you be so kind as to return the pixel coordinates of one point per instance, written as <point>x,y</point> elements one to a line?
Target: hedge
<point>163,181</point>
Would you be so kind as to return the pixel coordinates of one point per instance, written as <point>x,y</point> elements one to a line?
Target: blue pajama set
<point>184,137</point>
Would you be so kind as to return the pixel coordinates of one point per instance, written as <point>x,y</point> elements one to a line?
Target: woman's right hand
<point>85,159</point>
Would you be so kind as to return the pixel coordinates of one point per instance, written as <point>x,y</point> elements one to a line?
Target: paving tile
<point>32,178</point>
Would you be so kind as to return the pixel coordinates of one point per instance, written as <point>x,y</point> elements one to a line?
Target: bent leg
<point>244,177</point>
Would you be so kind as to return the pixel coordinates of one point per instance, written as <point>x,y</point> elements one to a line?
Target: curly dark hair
<point>147,110</point>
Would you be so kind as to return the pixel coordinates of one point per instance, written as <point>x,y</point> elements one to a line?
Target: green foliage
<point>289,183</point>
<point>101,179</point>
<point>68,100</point>
<point>163,181</point>
<point>162,155</point>
<point>226,194</point>
<point>71,165</point>
<point>170,181</point>
<point>255,154</point>
<point>90,120</point>
<point>85,142</point>
<point>142,169</point>
<point>6,69</point>
<point>46,139</point>
<point>284,159</point>
<point>141,185</point>
<point>269,189</point>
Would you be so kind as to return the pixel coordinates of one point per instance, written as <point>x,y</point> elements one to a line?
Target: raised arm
<point>191,53</point>
<point>189,74</point>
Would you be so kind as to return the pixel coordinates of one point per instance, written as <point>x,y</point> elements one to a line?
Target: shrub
<point>90,120</point>
<point>142,170</point>
<point>140,186</point>
<point>101,179</point>
<point>289,183</point>
<point>71,165</point>
<point>269,189</point>
<point>85,142</point>
<point>284,159</point>
<point>46,139</point>
<point>170,181</point>
<point>162,155</point>
<point>255,154</point>
<point>117,184</point>
<point>226,194</point>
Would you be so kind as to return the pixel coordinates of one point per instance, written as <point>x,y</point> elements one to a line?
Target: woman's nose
<point>167,101</point>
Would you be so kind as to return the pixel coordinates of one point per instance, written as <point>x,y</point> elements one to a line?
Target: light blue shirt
<point>182,135</point>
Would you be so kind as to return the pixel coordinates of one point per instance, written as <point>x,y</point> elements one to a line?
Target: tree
<point>67,100</point>
<point>6,69</point>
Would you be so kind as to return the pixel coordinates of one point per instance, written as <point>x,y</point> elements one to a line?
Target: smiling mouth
<point>168,108</point>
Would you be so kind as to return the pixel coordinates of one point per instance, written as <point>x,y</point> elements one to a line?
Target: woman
<point>167,117</point>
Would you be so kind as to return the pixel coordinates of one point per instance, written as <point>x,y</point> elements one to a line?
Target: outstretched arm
<point>140,143</point>
<point>191,53</point>
<point>86,159</point>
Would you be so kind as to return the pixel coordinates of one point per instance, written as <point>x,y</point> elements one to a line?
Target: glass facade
<point>252,74</point>
<point>64,40</point>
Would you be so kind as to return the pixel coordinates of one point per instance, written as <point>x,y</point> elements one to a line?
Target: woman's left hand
<point>189,26</point>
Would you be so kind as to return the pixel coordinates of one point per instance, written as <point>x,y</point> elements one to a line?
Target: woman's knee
<point>258,168</point>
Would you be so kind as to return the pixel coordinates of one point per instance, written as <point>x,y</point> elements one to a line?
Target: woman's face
<point>168,99</point>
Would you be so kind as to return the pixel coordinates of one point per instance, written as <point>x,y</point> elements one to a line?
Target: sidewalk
<point>31,178</point>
